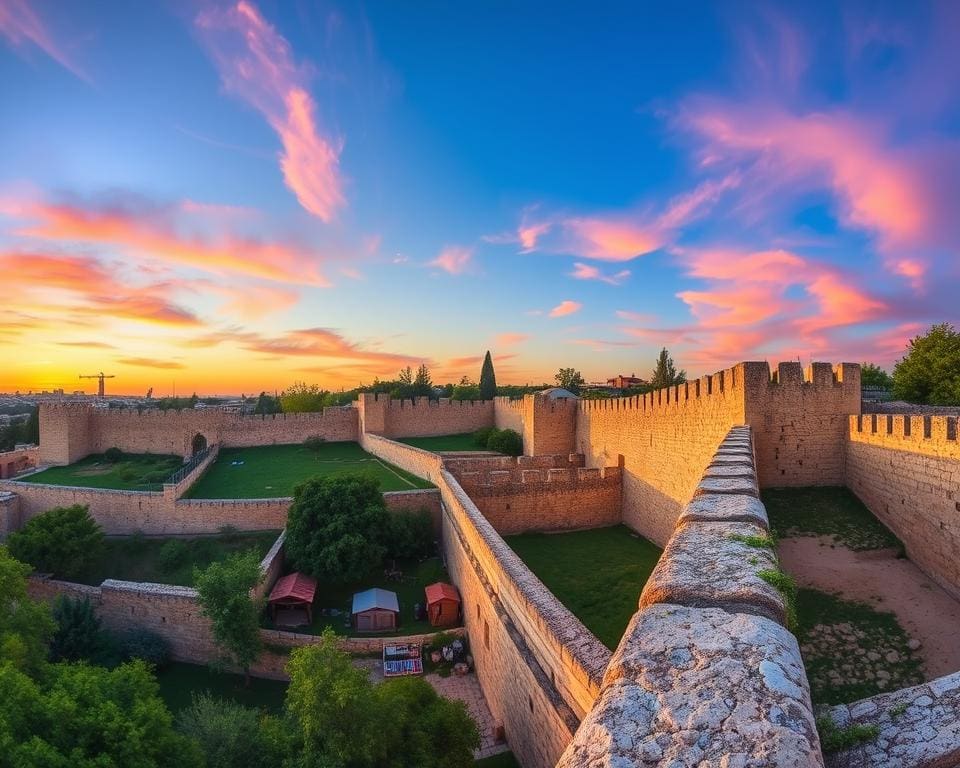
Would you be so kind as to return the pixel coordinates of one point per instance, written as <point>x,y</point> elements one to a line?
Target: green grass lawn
<point>171,561</point>
<point>416,576</point>
<point>272,471</point>
<point>134,472</point>
<point>849,647</point>
<point>503,760</point>
<point>826,511</point>
<point>444,443</point>
<point>179,682</point>
<point>597,574</point>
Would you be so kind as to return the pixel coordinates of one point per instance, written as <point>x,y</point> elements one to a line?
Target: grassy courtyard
<point>597,574</point>
<point>339,597</point>
<point>273,471</point>
<point>180,682</point>
<point>171,560</point>
<point>826,511</point>
<point>133,472</point>
<point>462,442</point>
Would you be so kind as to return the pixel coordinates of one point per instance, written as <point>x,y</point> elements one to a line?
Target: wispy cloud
<point>454,259</point>
<point>149,362</point>
<point>509,339</point>
<point>257,65</point>
<point>20,24</point>
<point>588,272</point>
<point>566,307</point>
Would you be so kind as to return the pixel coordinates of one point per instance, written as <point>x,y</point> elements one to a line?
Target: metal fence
<point>191,465</point>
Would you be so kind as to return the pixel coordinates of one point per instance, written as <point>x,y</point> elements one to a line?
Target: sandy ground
<point>925,611</point>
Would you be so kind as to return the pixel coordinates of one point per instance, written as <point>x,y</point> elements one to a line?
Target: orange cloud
<point>587,272</point>
<point>256,64</point>
<point>509,339</point>
<point>454,259</point>
<point>565,308</point>
<point>152,233</point>
<point>611,239</point>
<point>147,362</point>
<point>20,24</point>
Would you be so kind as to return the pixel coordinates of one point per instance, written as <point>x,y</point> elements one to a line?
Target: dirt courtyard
<point>878,578</point>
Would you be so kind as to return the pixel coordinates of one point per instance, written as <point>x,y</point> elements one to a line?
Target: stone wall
<point>422,417</point>
<point>906,469</point>
<point>14,462</point>
<point>706,674</point>
<point>508,414</point>
<point>70,432</point>
<point>9,513</point>
<point>542,493</point>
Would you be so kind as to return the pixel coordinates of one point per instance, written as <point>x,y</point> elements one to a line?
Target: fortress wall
<point>906,469</point>
<point>423,417</point>
<point>19,460</point>
<point>706,673</point>
<point>799,421</point>
<point>9,513</point>
<point>508,414</point>
<point>663,441</point>
<point>70,432</point>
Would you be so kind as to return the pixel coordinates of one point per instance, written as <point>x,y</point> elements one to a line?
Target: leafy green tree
<point>665,374</point>
<point>570,379</point>
<point>301,397</point>
<point>874,376</point>
<point>223,590</point>
<point>488,378</point>
<point>25,625</point>
<point>230,734</point>
<point>410,535</point>
<point>336,527</point>
<point>65,541</point>
<point>267,404</point>
<point>466,391</point>
<point>80,716</point>
<point>78,636</point>
<point>505,441</point>
<point>334,707</point>
<point>929,373</point>
<point>423,383</point>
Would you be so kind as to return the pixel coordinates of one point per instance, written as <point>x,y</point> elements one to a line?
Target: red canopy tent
<point>443,604</point>
<point>293,591</point>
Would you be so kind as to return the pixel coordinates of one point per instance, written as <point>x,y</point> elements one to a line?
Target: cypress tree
<point>666,374</point>
<point>488,379</point>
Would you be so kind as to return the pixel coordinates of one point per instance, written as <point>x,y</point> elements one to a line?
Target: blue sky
<point>241,195</point>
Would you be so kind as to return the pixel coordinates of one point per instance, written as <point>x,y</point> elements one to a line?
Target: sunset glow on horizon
<point>228,197</point>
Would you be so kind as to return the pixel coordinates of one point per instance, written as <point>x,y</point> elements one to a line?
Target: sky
<point>231,197</point>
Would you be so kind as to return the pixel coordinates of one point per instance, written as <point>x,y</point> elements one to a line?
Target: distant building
<point>557,393</point>
<point>625,382</point>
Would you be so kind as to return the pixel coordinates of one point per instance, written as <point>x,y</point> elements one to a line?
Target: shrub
<point>482,436</point>
<point>65,541</point>
<point>314,443</point>
<point>147,646</point>
<point>410,535</point>
<point>833,738</point>
<point>337,527</point>
<point>172,553</point>
<point>229,734</point>
<point>78,636</point>
<point>506,441</point>
<point>113,455</point>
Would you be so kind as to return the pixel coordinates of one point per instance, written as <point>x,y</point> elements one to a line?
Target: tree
<point>466,391</point>
<point>336,527</point>
<point>505,441</point>
<point>223,590</point>
<point>230,734</point>
<point>303,398</point>
<point>79,636</point>
<point>410,534</point>
<point>665,373</point>
<point>570,379</point>
<point>488,378</point>
<point>423,383</point>
<point>25,625</point>
<point>267,404</point>
<point>929,373</point>
<point>65,541</point>
<point>874,376</point>
<point>89,717</point>
<point>406,376</point>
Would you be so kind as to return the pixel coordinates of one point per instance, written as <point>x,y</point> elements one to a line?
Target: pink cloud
<point>455,259</point>
<point>565,308</point>
<point>509,339</point>
<point>610,239</point>
<point>20,24</point>
<point>256,64</point>
<point>587,272</point>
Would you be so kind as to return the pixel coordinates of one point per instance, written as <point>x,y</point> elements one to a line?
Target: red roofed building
<point>293,592</point>
<point>443,604</point>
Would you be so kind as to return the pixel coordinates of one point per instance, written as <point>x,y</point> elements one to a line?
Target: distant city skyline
<point>236,196</point>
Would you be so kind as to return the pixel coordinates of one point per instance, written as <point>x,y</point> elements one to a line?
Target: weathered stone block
<point>739,485</point>
<point>725,507</point>
<point>751,706</point>
<point>708,565</point>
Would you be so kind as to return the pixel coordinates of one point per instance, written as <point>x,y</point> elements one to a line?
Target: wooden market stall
<point>443,604</point>
<point>375,610</point>
<point>291,600</point>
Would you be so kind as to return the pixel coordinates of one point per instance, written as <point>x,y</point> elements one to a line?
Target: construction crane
<point>101,376</point>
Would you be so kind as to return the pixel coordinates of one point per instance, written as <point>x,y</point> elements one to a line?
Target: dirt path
<point>925,611</point>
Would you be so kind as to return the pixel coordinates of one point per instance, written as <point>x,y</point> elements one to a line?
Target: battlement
<point>422,417</point>
<point>421,402</point>
<point>177,413</point>
<point>913,428</point>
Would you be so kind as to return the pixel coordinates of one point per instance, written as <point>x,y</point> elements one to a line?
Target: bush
<point>65,541</point>
<point>337,527</point>
<point>410,535</point>
<point>506,441</point>
<point>78,636</point>
<point>314,443</point>
<point>482,436</point>
<point>172,554</point>
<point>147,646</point>
<point>113,455</point>
<point>229,734</point>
